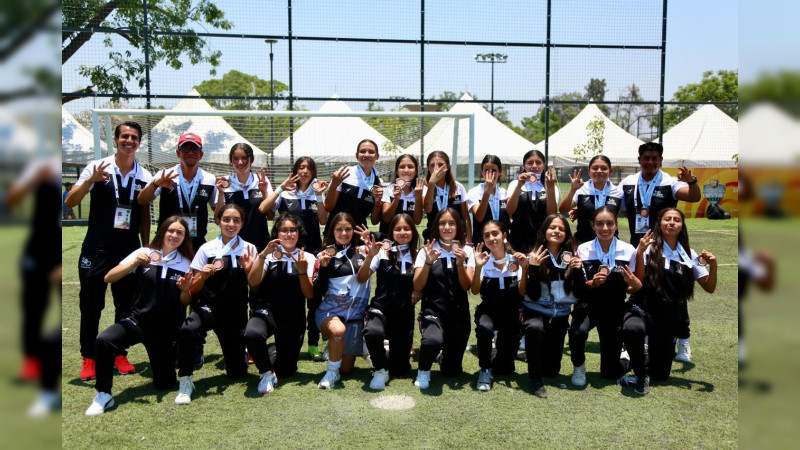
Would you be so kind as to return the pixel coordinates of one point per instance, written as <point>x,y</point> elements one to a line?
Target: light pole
<point>492,58</point>
<point>271,107</point>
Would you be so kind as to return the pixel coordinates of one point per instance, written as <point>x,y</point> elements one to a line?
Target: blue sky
<point>701,36</point>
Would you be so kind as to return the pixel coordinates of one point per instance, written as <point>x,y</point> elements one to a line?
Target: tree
<point>267,132</point>
<point>122,67</point>
<point>626,115</point>
<point>560,115</point>
<point>596,91</point>
<point>720,87</point>
<point>595,136</point>
<point>781,88</point>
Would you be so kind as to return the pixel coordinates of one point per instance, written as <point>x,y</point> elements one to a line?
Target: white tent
<point>707,138</point>
<point>218,136</point>
<point>18,142</point>
<point>330,139</point>
<point>770,137</point>
<point>491,137</point>
<point>619,146</point>
<point>77,142</point>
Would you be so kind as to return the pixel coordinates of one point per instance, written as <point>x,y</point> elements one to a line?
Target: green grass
<point>696,407</point>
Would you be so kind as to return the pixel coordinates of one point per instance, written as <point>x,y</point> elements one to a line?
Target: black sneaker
<point>538,389</point>
<point>642,385</point>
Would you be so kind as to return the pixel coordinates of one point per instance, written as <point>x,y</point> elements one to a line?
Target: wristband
<point>693,182</point>
<point>279,190</point>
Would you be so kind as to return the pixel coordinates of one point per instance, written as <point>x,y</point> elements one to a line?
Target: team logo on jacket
<point>85,263</point>
<point>258,194</point>
<point>202,193</point>
<point>175,277</point>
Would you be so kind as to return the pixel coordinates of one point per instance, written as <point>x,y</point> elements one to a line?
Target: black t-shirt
<point>255,229</point>
<point>306,208</point>
<point>529,216</point>
<point>610,296</point>
<point>585,201</point>
<point>280,287</point>
<point>395,283</point>
<point>443,293</point>
<point>226,289</point>
<point>170,205</point>
<point>664,196</point>
<point>354,196</point>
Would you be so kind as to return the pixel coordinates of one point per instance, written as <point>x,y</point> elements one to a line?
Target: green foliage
<point>267,132</point>
<point>720,87</point>
<point>595,136</point>
<point>126,66</point>
<point>626,115</point>
<point>560,115</point>
<point>401,131</point>
<point>781,88</point>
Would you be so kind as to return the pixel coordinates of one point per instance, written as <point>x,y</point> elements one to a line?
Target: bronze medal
<point>330,250</point>
<point>155,257</point>
<point>218,264</point>
<point>513,266</point>
<point>386,244</point>
<point>566,257</point>
<point>604,270</point>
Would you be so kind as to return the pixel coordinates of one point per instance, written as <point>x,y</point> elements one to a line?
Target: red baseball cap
<point>190,137</point>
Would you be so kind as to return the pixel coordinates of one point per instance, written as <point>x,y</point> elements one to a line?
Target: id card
<point>642,224</point>
<point>192,222</point>
<point>122,218</point>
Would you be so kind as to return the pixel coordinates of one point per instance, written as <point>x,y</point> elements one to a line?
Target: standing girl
<point>340,315</point>
<point>163,279</point>
<point>443,272</point>
<point>555,281</point>
<point>391,313</point>
<point>584,198</point>
<point>356,190</point>
<point>501,286</point>
<point>405,196</point>
<point>442,192</point>
<point>487,201</point>
<point>608,267</point>
<point>530,200</point>
<point>282,278</point>
<point>246,189</point>
<point>220,270</point>
<point>668,267</point>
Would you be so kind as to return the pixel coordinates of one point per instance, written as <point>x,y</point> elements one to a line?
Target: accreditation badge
<point>122,218</point>
<point>642,224</point>
<point>192,222</point>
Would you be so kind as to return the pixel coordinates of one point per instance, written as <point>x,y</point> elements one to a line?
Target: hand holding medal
<point>222,183</point>
<point>319,186</point>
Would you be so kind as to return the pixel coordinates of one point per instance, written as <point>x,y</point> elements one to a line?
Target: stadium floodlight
<point>492,58</point>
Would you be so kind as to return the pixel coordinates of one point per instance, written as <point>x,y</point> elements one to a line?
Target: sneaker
<point>642,386</point>
<point>684,351</point>
<point>185,389</point>
<point>87,369</point>
<point>47,402</point>
<point>379,379</point>
<point>31,369</point>
<point>624,355</point>
<point>124,367</point>
<point>485,380</point>
<point>313,352</point>
<point>329,379</point>
<point>539,390</point>
<point>102,401</point>
<point>579,376</point>
<point>267,383</point>
<point>423,379</point>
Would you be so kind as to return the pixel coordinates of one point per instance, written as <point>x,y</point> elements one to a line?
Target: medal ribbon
<point>678,255</point>
<point>244,187</point>
<point>442,196</point>
<point>607,259</point>
<point>364,181</point>
<point>600,197</point>
<point>645,190</point>
<point>187,191</point>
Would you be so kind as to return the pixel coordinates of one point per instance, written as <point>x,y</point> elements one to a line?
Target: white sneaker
<point>267,383</point>
<point>423,379</point>
<point>379,379</point>
<point>624,355</point>
<point>485,380</point>
<point>579,376</point>
<point>185,389</point>
<point>46,402</point>
<point>102,401</point>
<point>684,351</point>
<point>329,379</point>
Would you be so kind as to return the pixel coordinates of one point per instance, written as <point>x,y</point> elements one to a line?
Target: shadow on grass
<point>682,367</point>
<point>685,383</point>
<point>216,385</point>
<point>756,386</point>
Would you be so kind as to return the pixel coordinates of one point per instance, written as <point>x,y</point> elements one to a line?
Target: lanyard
<point>678,255</point>
<point>244,187</point>
<point>364,181</point>
<point>557,264</point>
<point>188,191</point>
<point>645,190</point>
<point>607,259</point>
<point>308,194</point>
<point>442,196</point>
<point>228,248</point>
<point>494,202</point>
<point>165,260</point>
<point>134,172</point>
<point>600,197</point>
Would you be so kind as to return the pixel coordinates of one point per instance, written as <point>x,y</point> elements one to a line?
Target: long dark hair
<point>312,165</point>
<point>461,232</point>
<point>568,245</point>
<point>397,167</point>
<point>448,176</point>
<point>503,229</point>
<point>412,246</point>
<point>330,239</point>
<point>654,268</point>
<point>530,153</point>
<point>289,217</point>
<point>246,148</point>
<point>227,206</point>
<point>185,249</point>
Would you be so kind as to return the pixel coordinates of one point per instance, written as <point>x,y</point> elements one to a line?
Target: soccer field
<point>697,406</point>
